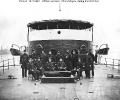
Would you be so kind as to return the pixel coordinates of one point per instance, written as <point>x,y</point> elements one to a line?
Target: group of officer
<point>71,61</point>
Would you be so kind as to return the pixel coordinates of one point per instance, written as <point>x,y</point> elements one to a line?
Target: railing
<point>9,62</point>
<point>110,62</point>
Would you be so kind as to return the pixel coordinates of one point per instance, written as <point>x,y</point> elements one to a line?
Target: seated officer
<point>33,54</point>
<point>58,56</point>
<point>49,66</point>
<point>39,70</point>
<point>32,68</point>
<point>61,65</point>
<point>50,56</point>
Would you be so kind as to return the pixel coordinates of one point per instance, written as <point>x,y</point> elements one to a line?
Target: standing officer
<point>96,55</point>
<point>74,59</point>
<point>92,63</point>
<point>88,64</point>
<point>79,68</point>
<point>24,61</point>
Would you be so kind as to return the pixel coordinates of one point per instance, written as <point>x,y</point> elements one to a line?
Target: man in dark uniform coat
<point>92,63</point>
<point>74,59</point>
<point>67,60</point>
<point>24,63</point>
<point>43,58</point>
<point>39,68</point>
<point>88,64</point>
<point>32,68</point>
<point>50,55</point>
<point>79,68</point>
<point>61,65</point>
<point>58,56</point>
<point>96,55</point>
<point>49,66</point>
<point>33,55</point>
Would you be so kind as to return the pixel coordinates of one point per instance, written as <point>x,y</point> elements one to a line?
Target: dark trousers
<point>74,64</point>
<point>80,73</point>
<point>24,72</point>
<point>39,73</point>
<point>87,73</point>
<point>34,74</point>
<point>92,68</point>
<point>92,72</point>
<point>73,72</point>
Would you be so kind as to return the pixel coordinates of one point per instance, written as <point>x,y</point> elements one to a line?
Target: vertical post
<point>3,66</point>
<point>118,66</point>
<point>99,59</point>
<point>47,26</point>
<point>78,27</point>
<point>69,26</point>
<point>38,27</point>
<point>106,62</point>
<point>57,26</point>
<point>113,63</point>
<point>8,64</point>
<point>13,61</point>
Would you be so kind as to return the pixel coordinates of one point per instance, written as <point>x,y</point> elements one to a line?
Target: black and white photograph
<point>59,50</point>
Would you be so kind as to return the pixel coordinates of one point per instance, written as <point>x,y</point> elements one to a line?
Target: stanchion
<point>113,63</point>
<point>8,64</point>
<point>14,61</point>
<point>3,66</point>
<point>0,73</point>
<point>106,62</point>
<point>118,66</point>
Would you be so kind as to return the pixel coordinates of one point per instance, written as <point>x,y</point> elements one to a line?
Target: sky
<point>15,15</point>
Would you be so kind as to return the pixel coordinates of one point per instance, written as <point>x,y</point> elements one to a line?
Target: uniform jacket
<point>92,56</point>
<point>32,66</point>
<point>39,65</point>
<point>24,60</point>
<point>61,65</point>
<point>88,62</point>
<point>67,60</point>
<point>57,57</point>
<point>33,56</point>
<point>50,66</point>
<point>79,65</point>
